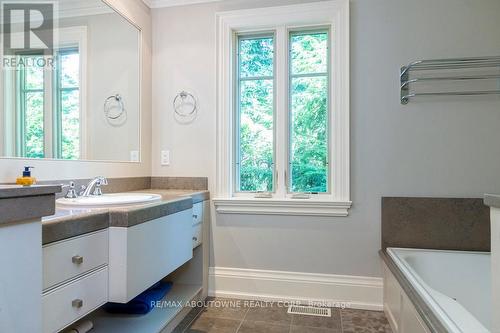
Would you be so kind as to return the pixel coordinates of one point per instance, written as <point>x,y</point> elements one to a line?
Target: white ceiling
<point>171,3</point>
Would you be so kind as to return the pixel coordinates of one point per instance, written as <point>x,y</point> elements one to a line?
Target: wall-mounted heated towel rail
<point>444,70</point>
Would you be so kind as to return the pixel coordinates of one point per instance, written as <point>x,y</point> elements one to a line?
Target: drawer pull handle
<point>195,216</point>
<point>195,239</point>
<point>77,260</point>
<point>77,303</point>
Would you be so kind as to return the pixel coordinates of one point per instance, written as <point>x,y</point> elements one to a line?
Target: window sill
<point>291,207</point>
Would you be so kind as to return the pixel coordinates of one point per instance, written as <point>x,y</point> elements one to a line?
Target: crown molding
<point>70,9</point>
<point>172,3</point>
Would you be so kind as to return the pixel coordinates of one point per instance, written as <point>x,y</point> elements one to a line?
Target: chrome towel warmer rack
<point>407,74</point>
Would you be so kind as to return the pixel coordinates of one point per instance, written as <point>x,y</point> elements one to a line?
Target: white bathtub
<point>456,285</point>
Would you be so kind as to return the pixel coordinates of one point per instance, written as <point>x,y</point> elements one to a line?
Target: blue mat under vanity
<point>143,303</point>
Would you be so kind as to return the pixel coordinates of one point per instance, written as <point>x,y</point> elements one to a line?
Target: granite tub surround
<point>68,223</point>
<point>21,203</point>
<point>435,223</point>
<point>432,223</point>
<point>430,319</point>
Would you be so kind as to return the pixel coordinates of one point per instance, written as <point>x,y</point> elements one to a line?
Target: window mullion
<point>21,115</point>
<point>281,130</point>
<point>48,113</point>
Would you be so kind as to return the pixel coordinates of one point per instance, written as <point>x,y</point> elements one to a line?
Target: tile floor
<point>235,316</point>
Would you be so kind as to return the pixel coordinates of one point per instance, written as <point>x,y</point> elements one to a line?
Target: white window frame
<point>332,14</point>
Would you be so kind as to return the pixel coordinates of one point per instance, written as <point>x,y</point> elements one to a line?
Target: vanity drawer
<point>197,213</point>
<point>69,258</point>
<point>197,235</point>
<point>70,302</point>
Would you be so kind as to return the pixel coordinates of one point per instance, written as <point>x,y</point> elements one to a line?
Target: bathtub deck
<point>433,323</point>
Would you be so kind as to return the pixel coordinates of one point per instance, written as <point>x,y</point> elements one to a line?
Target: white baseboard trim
<point>356,292</point>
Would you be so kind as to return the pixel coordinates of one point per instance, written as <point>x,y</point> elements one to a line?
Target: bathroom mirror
<point>70,83</point>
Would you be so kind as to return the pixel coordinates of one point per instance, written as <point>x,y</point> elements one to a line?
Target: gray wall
<point>443,147</point>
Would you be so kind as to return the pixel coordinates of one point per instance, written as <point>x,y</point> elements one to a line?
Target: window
<point>283,110</point>
<point>48,97</point>
<point>42,111</point>
<point>308,113</point>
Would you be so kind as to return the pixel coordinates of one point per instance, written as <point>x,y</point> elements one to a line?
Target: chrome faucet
<point>95,183</point>
<point>71,194</point>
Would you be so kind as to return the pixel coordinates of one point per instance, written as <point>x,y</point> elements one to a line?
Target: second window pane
<point>309,134</point>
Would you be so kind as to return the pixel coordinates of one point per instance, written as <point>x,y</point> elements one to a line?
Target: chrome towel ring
<point>185,99</point>
<point>118,99</point>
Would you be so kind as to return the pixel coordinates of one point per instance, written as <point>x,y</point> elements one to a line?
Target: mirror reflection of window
<point>30,107</point>
<point>67,110</point>
<point>48,124</point>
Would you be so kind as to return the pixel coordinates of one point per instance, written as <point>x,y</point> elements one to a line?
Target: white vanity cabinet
<point>141,255</point>
<point>147,253</point>
<point>117,264</point>
<point>20,277</point>
<point>197,229</point>
<point>399,310</point>
<point>75,279</point>
<point>198,213</point>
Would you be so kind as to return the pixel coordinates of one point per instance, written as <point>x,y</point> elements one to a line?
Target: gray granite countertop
<point>67,223</point>
<point>17,191</point>
<point>431,320</point>
<point>492,200</point>
<point>19,204</point>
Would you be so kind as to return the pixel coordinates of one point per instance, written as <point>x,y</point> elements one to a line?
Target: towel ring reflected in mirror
<point>108,105</point>
<point>182,100</point>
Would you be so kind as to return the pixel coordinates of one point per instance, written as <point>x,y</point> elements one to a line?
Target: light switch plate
<point>165,157</point>
<point>134,156</point>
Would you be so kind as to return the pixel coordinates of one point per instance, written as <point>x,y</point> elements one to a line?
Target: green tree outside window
<point>308,113</point>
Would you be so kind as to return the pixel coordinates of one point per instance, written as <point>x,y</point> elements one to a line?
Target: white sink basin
<point>109,200</point>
